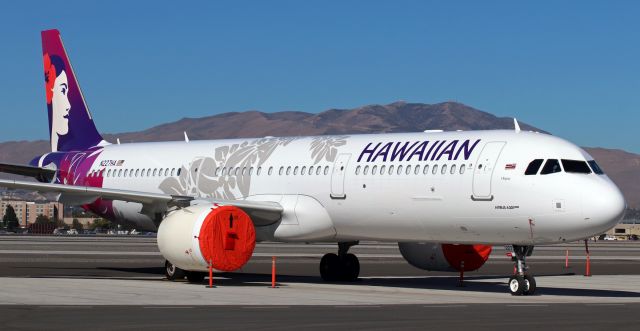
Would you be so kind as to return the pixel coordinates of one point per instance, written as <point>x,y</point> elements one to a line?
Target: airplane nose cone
<point>604,206</point>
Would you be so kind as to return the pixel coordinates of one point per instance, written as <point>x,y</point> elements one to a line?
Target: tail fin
<point>70,124</point>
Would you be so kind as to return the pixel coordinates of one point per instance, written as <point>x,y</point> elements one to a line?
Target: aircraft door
<point>337,176</point>
<point>484,168</point>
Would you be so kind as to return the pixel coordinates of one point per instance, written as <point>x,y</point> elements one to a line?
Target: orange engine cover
<point>473,256</point>
<point>227,238</point>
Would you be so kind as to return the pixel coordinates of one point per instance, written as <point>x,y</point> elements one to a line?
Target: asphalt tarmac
<point>117,283</point>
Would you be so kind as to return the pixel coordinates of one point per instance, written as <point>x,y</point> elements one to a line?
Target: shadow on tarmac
<point>479,283</point>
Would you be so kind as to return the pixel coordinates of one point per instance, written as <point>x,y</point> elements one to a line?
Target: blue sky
<point>569,67</point>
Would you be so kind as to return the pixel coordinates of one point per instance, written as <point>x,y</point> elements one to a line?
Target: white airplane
<point>445,197</point>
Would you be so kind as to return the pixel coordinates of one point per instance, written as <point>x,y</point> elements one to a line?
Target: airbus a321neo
<point>445,197</point>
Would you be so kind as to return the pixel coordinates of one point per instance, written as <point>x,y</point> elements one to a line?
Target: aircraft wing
<point>43,174</point>
<point>262,212</point>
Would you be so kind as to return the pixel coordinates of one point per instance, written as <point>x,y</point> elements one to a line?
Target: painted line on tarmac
<point>309,255</point>
<point>604,304</point>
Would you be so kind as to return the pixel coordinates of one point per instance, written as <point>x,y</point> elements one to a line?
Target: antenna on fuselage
<point>516,125</point>
<point>186,138</point>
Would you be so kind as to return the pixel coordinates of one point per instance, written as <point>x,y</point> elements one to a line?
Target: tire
<point>517,285</point>
<point>350,268</point>
<point>330,267</point>
<point>530,285</point>
<point>195,277</point>
<point>172,272</point>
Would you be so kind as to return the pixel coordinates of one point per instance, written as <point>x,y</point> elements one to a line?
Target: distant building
<point>624,231</point>
<point>28,211</point>
<point>85,221</point>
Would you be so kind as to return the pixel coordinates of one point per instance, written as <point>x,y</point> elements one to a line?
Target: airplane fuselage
<point>453,187</point>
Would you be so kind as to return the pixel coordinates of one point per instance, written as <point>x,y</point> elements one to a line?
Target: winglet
<point>516,125</point>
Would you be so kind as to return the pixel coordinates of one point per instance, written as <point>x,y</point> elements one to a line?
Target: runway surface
<point>117,283</point>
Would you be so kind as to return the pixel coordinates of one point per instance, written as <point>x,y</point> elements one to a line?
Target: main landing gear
<point>521,283</point>
<point>341,267</point>
<point>174,273</point>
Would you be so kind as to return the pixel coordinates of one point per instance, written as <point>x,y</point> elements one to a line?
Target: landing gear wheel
<point>330,267</point>
<point>531,285</point>
<point>517,285</point>
<point>350,268</point>
<point>195,277</point>
<point>172,272</point>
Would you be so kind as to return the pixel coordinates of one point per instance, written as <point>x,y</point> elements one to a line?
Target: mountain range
<point>622,167</point>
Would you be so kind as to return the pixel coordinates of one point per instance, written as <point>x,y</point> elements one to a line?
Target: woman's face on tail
<point>60,104</point>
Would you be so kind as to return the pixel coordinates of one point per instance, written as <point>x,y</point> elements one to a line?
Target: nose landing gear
<point>521,283</point>
<point>343,266</point>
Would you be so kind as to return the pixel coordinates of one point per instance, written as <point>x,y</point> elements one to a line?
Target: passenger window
<point>374,170</point>
<point>408,171</point>
<point>109,173</point>
<point>295,170</point>
<point>173,172</point>
<point>224,171</point>
<point>366,170</point>
<point>391,169</point>
<point>270,172</point>
<point>244,171</point>
<point>417,170</point>
<point>311,170</point>
<point>155,172</point>
<point>288,171</point>
<point>166,172</point>
<point>238,171</point>
<point>595,167</point>
<point>453,169</point>
<point>550,167</point>
<point>280,171</point>
<point>444,169</point>
<point>382,169</point>
<point>179,170</point>
<point>357,170</point>
<point>251,171</point>
<point>533,167</point>
<point>434,170</point>
<point>575,166</point>
<point>326,170</point>
<point>259,171</point>
<point>318,169</point>
<point>303,171</point>
<point>120,173</point>
<point>462,168</point>
<point>399,169</point>
<point>426,169</point>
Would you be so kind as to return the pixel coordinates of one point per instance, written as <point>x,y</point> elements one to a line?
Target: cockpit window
<point>533,167</point>
<point>550,167</point>
<point>595,167</point>
<point>575,166</point>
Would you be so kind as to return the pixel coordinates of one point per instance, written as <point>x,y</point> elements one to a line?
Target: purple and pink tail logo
<point>71,127</point>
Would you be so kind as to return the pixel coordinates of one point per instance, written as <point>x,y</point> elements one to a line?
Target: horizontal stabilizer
<point>41,174</point>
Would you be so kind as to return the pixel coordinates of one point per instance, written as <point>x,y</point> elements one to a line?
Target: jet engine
<point>445,257</point>
<point>191,238</point>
